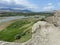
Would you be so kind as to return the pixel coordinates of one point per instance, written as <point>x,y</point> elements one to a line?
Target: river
<point>5,19</point>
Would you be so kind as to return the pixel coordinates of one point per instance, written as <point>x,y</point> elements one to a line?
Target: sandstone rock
<point>54,19</point>
<point>46,34</point>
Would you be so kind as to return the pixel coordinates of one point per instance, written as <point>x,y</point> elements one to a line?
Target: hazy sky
<point>35,5</point>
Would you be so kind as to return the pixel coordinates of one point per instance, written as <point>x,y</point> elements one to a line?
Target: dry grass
<point>5,24</point>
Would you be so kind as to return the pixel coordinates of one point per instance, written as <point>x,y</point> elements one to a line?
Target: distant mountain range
<point>13,10</point>
<point>21,10</point>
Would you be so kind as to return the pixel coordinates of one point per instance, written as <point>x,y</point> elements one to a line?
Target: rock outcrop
<point>54,19</point>
<point>45,34</point>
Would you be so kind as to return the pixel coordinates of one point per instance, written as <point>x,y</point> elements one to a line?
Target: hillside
<point>33,31</point>
<point>46,32</point>
<point>21,28</point>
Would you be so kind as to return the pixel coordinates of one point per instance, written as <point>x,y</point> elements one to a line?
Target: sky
<point>34,5</point>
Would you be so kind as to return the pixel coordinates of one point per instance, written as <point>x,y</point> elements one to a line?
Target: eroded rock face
<point>46,34</point>
<point>54,19</point>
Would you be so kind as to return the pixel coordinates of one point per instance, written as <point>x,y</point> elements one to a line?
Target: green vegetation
<point>23,27</point>
<point>4,14</point>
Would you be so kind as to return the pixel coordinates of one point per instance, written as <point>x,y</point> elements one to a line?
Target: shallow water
<point>5,19</point>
